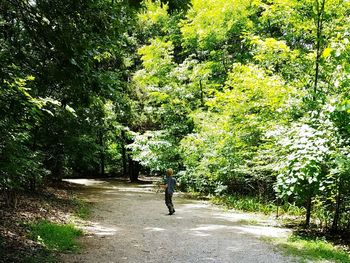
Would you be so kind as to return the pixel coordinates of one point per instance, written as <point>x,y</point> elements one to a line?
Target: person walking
<point>169,190</point>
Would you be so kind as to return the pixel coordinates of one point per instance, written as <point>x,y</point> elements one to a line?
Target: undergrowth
<point>309,248</point>
<point>253,204</point>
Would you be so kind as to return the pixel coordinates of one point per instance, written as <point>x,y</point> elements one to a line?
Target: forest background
<point>241,98</point>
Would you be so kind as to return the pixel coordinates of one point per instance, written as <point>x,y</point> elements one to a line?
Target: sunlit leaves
<point>207,153</point>
<point>310,147</point>
<point>290,19</point>
<point>154,13</point>
<point>251,91</point>
<point>277,57</point>
<point>157,62</point>
<point>154,150</point>
<point>244,73</point>
<point>209,23</point>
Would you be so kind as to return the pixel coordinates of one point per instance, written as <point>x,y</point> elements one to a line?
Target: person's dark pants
<point>169,202</point>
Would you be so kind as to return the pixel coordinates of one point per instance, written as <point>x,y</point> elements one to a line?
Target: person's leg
<point>171,205</point>
<point>168,201</point>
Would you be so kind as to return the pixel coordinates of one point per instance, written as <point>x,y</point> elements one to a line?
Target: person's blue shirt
<point>171,183</point>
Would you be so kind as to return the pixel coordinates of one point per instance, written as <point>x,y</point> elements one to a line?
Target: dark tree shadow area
<point>53,203</point>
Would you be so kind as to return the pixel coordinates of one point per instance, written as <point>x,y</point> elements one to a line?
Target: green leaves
<point>77,56</point>
<point>157,61</point>
<point>20,165</point>
<point>154,14</point>
<point>310,147</point>
<point>209,24</point>
<point>154,149</point>
<point>252,92</point>
<point>238,94</point>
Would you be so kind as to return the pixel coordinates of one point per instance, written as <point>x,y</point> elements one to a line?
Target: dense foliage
<point>252,96</point>
<point>63,97</point>
<point>238,97</point>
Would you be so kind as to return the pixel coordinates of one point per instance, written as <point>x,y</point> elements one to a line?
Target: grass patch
<point>82,209</point>
<point>311,249</point>
<point>55,236</point>
<point>253,204</point>
<point>83,212</point>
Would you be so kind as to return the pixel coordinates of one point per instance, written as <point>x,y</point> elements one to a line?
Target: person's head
<point>169,172</point>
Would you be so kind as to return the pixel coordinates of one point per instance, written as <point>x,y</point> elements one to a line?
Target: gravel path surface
<point>130,224</point>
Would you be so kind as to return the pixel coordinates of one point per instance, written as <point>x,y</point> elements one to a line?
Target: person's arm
<point>164,185</point>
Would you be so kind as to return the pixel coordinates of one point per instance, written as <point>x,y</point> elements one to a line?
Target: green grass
<point>253,204</point>
<point>55,236</point>
<point>82,209</point>
<point>311,249</point>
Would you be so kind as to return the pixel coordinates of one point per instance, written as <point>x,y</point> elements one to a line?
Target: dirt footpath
<point>130,224</point>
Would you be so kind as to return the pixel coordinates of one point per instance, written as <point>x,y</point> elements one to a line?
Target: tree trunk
<point>308,211</point>
<point>134,170</point>
<point>11,198</point>
<point>124,156</point>
<point>32,178</point>
<point>337,210</point>
<point>102,155</point>
<point>58,162</point>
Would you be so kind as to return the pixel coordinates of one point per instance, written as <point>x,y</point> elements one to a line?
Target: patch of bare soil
<point>54,204</point>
